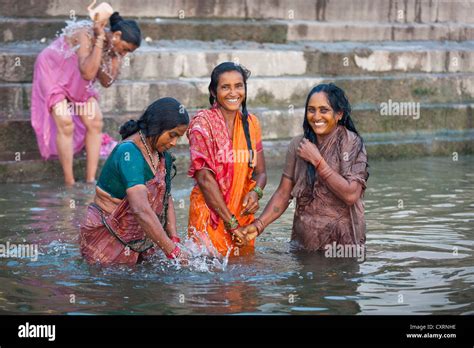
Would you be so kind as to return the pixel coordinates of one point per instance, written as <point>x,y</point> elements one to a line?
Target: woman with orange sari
<point>227,162</point>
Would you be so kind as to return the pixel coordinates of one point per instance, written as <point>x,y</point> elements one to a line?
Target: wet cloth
<point>118,237</point>
<point>57,77</point>
<point>321,217</point>
<point>211,148</point>
<point>125,168</point>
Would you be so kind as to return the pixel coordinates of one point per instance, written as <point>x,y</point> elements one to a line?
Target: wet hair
<point>339,103</point>
<point>216,73</point>
<point>162,115</point>
<point>130,30</point>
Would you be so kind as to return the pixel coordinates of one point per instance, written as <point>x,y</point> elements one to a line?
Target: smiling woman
<point>326,171</point>
<point>133,210</point>
<point>216,136</point>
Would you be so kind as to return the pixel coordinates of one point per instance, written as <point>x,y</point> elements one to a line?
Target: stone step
<point>175,59</point>
<point>276,31</point>
<point>285,92</point>
<point>387,146</point>
<point>275,123</point>
<point>342,10</point>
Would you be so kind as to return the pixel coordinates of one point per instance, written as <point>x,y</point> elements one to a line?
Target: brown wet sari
<point>117,238</point>
<point>321,217</point>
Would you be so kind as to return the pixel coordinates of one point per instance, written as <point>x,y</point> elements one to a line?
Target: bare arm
<point>213,196</point>
<point>278,203</point>
<point>90,58</point>
<point>171,222</point>
<point>260,170</point>
<point>260,173</point>
<point>106,79</point>
<point>146,217</point>
<point>347,191</point>
<point>273,210</point>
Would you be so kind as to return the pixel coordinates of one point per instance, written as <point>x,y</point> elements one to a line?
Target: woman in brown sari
<point>133,213</point>
<point>326,171</point>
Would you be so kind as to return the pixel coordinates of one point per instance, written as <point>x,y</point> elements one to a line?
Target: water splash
<point>203,256</point>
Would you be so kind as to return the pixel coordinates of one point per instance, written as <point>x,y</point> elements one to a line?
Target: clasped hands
<point>244,235</point>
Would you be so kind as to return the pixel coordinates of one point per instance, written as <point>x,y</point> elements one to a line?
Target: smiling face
<point>169,138</point>
<point>230,90</point>
<point>121,47</point>
<point>320,115</point>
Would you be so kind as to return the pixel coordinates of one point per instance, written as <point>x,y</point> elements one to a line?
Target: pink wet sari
<point>117,238</point>
<point>57,77</point>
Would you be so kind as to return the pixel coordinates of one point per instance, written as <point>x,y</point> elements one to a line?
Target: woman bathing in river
<point>227,161</point>
<point>326,171</point>
<point>64,74</point>
<point>133,214</point>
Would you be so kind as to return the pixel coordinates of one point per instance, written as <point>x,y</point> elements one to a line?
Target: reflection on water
<point>419,255</point>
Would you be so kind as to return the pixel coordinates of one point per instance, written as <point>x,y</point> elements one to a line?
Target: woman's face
<point>169,138</point>
<point>121,47</point>
<point>320,114</point>
<point>230,90</point>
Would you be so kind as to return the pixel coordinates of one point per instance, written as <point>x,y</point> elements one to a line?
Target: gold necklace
<point>148,150</point>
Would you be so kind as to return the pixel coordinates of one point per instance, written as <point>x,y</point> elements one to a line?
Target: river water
<point>420,239</point>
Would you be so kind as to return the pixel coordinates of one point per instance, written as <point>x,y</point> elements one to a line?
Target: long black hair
<point>339,103</point>
<point>216,73</point>
<point>130,30</point>
<point>162,115</point>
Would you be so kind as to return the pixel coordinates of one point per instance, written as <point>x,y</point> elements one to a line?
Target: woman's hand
<point>250,203</point>
<point>183,257</point>
<point>243,235</point>
<point>99,27</point>
<point>309,152</point>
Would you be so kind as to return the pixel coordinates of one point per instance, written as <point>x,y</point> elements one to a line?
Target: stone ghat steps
<point>14,29</point>
<point>285,91</point>
<point>342,10</point>
<point>395,145</point>
<point>275,123</point>
<point>177,59</point>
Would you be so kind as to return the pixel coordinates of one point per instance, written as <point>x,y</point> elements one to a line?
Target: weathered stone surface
<point>284,92</point>
<point>172,60</point>
<point>401,11</point>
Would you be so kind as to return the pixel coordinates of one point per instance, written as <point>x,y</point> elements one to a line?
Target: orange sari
<point>212,149</point>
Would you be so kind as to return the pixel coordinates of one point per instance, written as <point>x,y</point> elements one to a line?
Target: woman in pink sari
<point>65,113</point>
<point>133,214</point>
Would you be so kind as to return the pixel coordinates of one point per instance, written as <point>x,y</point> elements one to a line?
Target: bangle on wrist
<point>259,225</point>
<point>174,254</point>
<point>257,189</point>
<point>318,163</point>
<point>232,224</point>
